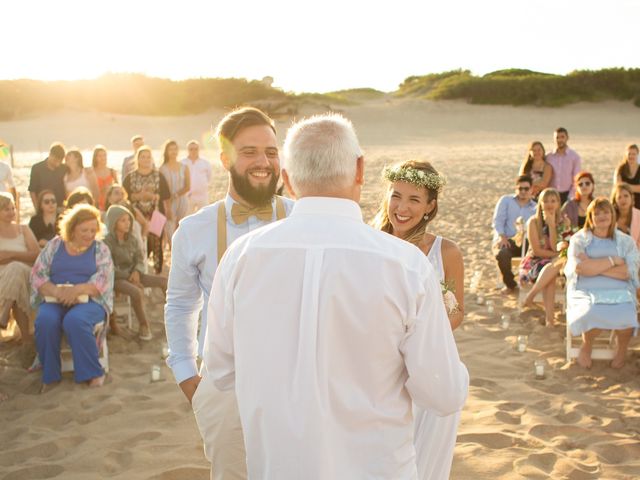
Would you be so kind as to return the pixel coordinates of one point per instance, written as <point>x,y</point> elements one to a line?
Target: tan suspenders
<point>222,224</point>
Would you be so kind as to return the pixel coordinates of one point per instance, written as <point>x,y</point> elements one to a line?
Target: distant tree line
<point>136,94</point>
<point>526,87</point>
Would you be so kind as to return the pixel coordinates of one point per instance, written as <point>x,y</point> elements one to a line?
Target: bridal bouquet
<point>449,297</point>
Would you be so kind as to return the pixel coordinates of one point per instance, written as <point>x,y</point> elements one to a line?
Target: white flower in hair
<point>430,181</point>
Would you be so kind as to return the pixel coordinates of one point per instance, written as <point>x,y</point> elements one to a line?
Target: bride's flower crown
<point>430,181</point>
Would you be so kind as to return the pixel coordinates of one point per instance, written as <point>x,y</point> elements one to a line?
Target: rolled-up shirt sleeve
<point>500,217</point>
<point>184,302</point>
<point>218,346</point>
<point>438,380</point>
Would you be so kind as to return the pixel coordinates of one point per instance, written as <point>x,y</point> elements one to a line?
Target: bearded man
<point>249,152</point>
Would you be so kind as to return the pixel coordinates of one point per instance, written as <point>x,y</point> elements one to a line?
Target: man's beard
<point>255,196</point>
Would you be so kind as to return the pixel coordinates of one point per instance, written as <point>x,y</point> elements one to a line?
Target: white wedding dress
<point>434,436</point>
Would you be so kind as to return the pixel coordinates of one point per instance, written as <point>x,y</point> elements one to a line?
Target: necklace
<point>77,249</point>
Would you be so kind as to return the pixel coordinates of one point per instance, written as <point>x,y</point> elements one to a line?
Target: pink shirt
<point>565,167</point>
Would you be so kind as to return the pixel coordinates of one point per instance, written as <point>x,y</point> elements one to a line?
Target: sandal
<point>146,337</point>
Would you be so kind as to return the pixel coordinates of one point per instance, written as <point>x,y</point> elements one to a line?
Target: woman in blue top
<point>602,277</point>
<point>72,266</point>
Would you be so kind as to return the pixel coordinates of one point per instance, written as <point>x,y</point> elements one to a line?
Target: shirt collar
<point>531,201</point>
<point>341,207</point>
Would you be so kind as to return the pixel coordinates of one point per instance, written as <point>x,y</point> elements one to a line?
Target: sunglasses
<point>49,201</point>
<point>584,184</point>
<point>524,189</point>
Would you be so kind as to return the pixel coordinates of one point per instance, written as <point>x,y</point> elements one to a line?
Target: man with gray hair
<point>327,329</point>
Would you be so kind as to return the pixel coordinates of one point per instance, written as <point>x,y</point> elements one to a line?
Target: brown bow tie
<point>240,213</point>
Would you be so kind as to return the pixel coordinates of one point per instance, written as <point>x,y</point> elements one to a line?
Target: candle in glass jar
<point>480,299</point>
<point>522,343</point>
<point>490,307</point>
<point>539,368</point>
<point>165,350</point>
<point>155,373</point>
<point>504,321</point>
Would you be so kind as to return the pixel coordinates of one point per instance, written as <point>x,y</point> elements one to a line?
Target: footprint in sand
<point>505,417</point>
<point>93,400</point>
<point>136,439</point>
<point>54,419</point>
<point>617,453</point>
<point>192,473</point>
<point>493,441</point>
<point>538,465</point>
<point>116,462</point>
<point>569,417</point>
<point>35,473</point>
<point>97,414</point>
<point>552,388</point>
<point>136,398</point>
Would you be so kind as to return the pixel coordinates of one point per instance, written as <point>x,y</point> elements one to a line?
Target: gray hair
<point>320,153</point>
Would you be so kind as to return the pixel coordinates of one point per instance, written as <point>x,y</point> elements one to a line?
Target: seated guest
<point>602,277</point>
<point>576,208</point>
<point>44,224</point>
<point>79,195</point>
<point>535,165</point>
<point>627,216</point>
<point>508,209</point>
<point>539,266</point>
<point>628,171</point>
<point>117,195</point>
<point>18,250</point>
<point>77,175</point>
<point>128,261</point>
<point>72,266</point>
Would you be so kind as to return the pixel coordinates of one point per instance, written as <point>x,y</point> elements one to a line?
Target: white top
<point>6,177</point>
<point>194,259</point>
<point>328,329</point>
<point>200,173</point>
<point>81,181</point>
<point>435,257</point>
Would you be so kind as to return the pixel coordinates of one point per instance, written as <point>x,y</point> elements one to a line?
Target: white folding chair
<point>100,333</point>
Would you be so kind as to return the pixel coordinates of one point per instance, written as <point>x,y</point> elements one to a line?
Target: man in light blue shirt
<point>250,154</point>
<point>507,211</point>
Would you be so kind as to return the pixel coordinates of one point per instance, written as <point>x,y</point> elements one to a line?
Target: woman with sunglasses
<point>576,209</point>
<point>44,224</point>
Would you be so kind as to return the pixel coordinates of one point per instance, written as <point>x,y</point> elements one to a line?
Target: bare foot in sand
<point>584,357</point>
<point>618,360</point>
<point>550,322</point>
<point>96,382</point>
<point>48,386</point>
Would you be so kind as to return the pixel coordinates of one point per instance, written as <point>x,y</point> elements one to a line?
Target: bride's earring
<point>426,216</point>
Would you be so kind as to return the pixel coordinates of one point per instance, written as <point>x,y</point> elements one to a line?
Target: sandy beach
<point>574,424</point>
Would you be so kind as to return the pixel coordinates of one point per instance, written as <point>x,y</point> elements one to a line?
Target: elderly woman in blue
<point>602,277</point>
<point>72,282</point>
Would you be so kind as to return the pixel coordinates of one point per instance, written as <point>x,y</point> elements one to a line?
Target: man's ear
<point>287,184</point>
<point>360,170</point>
<point>225,160</point>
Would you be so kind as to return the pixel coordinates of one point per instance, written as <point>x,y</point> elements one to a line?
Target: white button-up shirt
<point>194,259</point>
<point>328,329</point>
<point>200,173</point>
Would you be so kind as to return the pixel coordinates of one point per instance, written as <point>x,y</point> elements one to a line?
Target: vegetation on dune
<point>526,87</point>
<point>135,94</point>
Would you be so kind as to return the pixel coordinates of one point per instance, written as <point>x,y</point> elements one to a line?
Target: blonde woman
<point>104,175</point>
<point>627,216</point>
<point>602,277</point>
<point>18,249</point>
<point>72,266</point>
<point>410,204</point>
<point>538,266</point>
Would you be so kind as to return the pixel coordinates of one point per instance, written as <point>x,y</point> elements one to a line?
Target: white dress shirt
<point>328,329</point>
<point>200,173</point>
<point>194,259</point>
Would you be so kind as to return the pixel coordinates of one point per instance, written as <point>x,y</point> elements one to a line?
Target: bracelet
<point>613,264</point>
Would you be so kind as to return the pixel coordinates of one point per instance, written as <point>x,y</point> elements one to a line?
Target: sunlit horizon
<point>339,46</point>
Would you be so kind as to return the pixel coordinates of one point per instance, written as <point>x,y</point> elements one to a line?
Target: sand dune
<point>574,424</point>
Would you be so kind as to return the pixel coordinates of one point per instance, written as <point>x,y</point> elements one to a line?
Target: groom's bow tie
<point>240,213</point>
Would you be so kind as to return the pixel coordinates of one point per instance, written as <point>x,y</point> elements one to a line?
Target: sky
<point>313,46</point>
